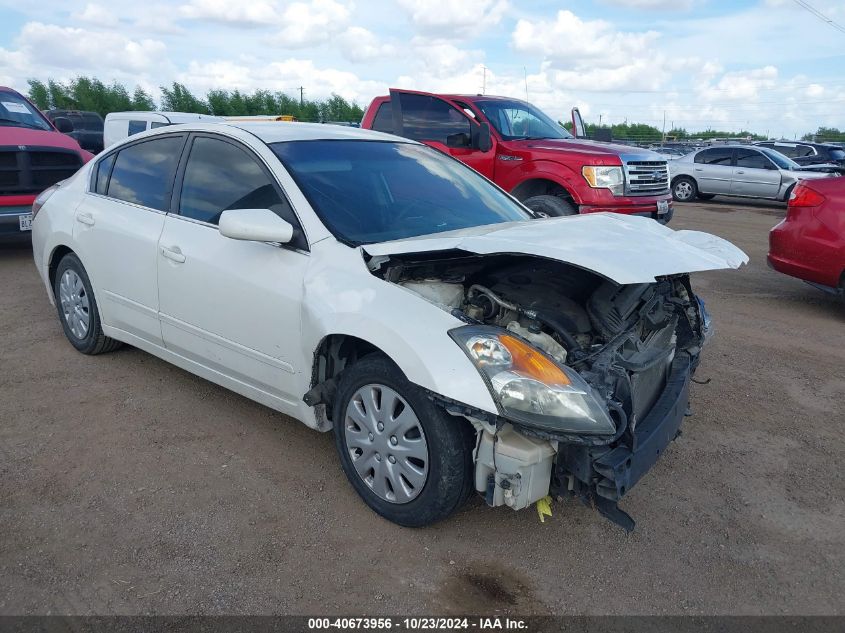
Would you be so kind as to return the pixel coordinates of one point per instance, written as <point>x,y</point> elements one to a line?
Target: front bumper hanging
<point>601,475</point>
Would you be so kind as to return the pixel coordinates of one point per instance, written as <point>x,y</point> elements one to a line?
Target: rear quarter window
<point>135,127</point>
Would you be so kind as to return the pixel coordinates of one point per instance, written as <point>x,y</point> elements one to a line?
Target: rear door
<point>441,123</point>
<point>755,175</point>
<point>117,227</point>
<point>713,170</point>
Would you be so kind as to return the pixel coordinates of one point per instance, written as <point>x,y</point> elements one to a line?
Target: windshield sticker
<point>11,106</point>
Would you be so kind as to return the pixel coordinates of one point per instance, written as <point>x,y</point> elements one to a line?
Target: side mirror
<point>63,124</point>
<point>257,225</point>
<point>483,138</point>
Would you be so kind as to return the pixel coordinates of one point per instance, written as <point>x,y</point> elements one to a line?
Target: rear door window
<point>143,173</point>
<point>427,118</point>
<point>103,172</point>
<point>715,156</point>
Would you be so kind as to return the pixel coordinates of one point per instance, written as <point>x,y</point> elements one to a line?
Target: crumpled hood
<point>625,249</point>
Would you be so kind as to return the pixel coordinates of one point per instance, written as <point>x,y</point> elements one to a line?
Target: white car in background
<point>121,125</point>
<point>373,286</point>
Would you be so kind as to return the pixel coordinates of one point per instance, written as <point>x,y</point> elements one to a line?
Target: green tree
<point>178,98</point>
<point>142,100</point>
<point>39,94</point>
<point>825,134</point>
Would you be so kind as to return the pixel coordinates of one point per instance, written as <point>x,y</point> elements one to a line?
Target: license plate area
<point>662,207</point>
<point>25,222</point>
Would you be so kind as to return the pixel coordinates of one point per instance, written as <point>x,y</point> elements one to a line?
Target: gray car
<point>736,170</point>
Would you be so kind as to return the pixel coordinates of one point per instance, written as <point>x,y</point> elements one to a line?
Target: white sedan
<point>372,286</point>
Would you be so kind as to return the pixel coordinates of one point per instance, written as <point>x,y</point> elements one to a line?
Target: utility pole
<point>484,80</point>
<point>599,120</point>
<point>664,126</point>
<point>525,74</point>
<point>301,99</point>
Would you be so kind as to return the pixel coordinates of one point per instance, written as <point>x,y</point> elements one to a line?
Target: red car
<point>34,154</point>
<point>810,243</point>
<point>528,154</point>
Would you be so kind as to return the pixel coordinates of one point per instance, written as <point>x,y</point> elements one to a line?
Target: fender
<point>559,173</point>
<point>340,296</point>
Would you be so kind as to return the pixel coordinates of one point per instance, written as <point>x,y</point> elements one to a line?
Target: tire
<point>365,399</point>
<point>705,196</point>
<point>551,206</point>
<point>77,308</point>
<point>684,189</point>
<point>666,217</point>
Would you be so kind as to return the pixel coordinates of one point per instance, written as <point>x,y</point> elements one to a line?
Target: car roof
<point>281,131</point>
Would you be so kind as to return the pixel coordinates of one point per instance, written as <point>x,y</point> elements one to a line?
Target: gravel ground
<point>129,486</point>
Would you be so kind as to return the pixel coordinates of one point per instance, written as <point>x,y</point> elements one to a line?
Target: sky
<point>770,66</point>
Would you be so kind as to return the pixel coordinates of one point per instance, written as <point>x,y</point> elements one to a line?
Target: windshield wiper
<point>23,123</point>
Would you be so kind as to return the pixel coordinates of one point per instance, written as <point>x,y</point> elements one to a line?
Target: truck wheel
<point>684,189</point>
<point>551,206</point>
<point>408,459</point>
<point>77,308</point>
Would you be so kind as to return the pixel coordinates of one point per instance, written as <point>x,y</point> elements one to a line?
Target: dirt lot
<point>129,486</point>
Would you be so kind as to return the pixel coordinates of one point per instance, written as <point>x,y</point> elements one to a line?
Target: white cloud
<point>47,46</point>
<point>454,19</point>
<point>359,45</point>
<point>571,40</point>
<point>653,5</point>
<point>285,76</point>
<point>308,24</point>
<point>253,13</point>
<point>97,15</point>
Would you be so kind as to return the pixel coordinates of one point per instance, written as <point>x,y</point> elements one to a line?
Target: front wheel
<point>550,206</point>
<point>408,459</point>
<point>684,189</point>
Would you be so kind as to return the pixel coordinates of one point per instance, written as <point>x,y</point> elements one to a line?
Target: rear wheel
<point>77,308</point>
<point>684,189</point>
<point>408,459</point>
<point>551,206</point>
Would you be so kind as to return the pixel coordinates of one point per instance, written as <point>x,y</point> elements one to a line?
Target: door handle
<point>699,168</point>
<point>739,171</point>
<point>85,218</point>
<point>173,254</point>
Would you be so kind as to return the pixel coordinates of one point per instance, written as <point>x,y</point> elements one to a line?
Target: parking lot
<point>130,486</point>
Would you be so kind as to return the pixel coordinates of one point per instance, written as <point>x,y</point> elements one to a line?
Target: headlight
<point>605,177</point>
<point>529,387</point>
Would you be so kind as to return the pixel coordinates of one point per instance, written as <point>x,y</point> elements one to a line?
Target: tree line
<point>91,94</point>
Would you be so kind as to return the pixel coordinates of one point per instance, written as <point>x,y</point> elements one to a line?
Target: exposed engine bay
<point>635,347</point>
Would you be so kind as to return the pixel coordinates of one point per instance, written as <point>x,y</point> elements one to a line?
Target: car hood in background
<point>625,249</point>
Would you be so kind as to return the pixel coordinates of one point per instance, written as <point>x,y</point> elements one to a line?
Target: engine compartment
<point>620,338</point>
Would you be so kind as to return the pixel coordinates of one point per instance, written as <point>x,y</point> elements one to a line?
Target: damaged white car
<point>372,286</point>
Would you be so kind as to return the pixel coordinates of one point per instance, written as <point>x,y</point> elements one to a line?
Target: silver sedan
<point>736,170</point>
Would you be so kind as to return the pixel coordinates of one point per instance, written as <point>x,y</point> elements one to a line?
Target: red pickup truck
<point>526,153</point>
<point>34,154</point>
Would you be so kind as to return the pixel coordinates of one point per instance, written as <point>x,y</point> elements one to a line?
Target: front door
<point>232,306</point>
<point>755,175</point>
<point>442,124</point>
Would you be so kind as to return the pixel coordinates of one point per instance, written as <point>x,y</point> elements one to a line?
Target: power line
<point>820,15</point>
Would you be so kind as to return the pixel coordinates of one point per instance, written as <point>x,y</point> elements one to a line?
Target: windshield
<point>16,111</point>
<point>515,120</point>
<point>375,191</point>
<point>779,159</point>
<point>837,154</point>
